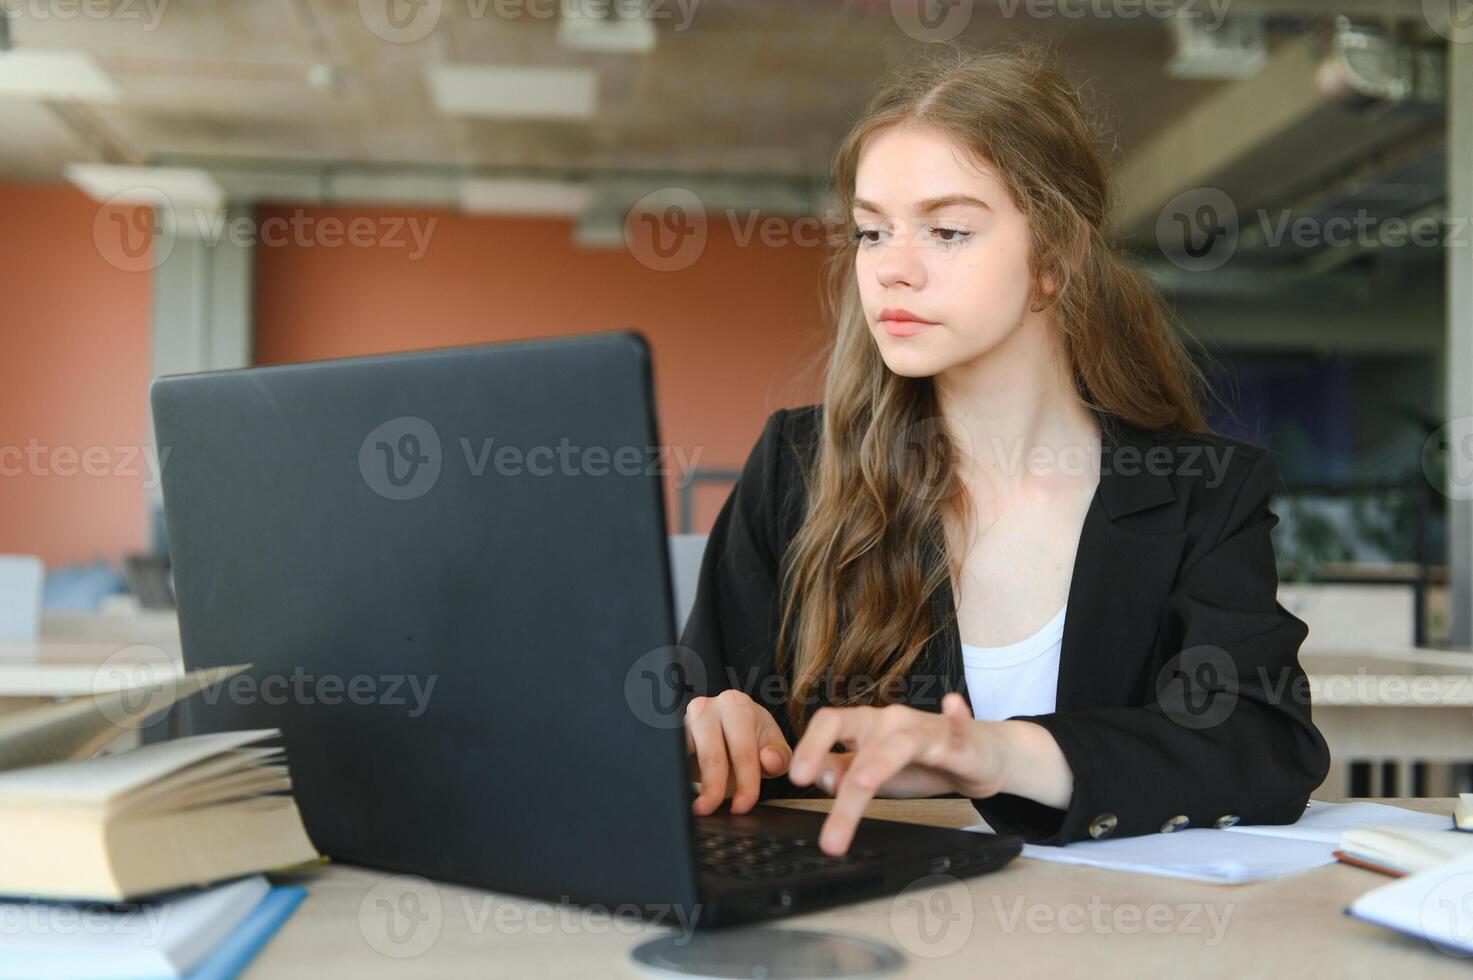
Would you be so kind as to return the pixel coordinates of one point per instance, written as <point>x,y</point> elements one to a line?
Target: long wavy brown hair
<point>862,573</point>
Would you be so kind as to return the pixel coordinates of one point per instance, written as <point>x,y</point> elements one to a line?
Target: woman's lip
<point>905,328</point>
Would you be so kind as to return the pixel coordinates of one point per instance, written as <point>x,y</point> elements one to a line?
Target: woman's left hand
<point>895,750</point>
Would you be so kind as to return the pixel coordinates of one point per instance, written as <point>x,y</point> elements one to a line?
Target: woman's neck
<point>1017,413</point>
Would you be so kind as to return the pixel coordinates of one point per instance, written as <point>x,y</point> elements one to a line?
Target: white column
<point>203,310</point>
<point>1460,325</point>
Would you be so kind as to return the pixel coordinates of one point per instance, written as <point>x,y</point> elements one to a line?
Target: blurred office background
<point>197,184</point>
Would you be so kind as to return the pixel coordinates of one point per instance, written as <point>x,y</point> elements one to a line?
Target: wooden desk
<point>1031,919</point>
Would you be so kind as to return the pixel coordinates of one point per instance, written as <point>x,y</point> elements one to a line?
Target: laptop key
<point>754,856</point>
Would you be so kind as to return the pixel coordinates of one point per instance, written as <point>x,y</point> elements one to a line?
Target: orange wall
<point>74,368</point>
<point>731,333</point>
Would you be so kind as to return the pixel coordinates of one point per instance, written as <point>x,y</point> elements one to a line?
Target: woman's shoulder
<point>1235,456</point>
<point>802,426</point>
<point>791,435</point>
<point>772,487</point>
<point>1215,478</point>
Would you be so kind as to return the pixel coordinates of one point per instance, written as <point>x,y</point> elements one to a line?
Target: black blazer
<point>1181,702</point>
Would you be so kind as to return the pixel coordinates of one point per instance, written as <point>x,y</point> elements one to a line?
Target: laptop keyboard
<point>757,856</point>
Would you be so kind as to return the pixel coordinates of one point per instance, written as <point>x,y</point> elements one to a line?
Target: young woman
<point>1002,558</point>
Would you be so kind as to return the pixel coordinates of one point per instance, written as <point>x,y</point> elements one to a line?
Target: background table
<point>1398,706</point>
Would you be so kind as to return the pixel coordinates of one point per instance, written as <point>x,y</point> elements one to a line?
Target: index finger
<point>829,725</point>
<point>876,761</point>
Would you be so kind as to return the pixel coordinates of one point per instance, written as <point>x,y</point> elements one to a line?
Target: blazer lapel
<point>1129,550</point>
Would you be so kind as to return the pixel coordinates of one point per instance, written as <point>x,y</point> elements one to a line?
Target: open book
<point>113,827</point>
<point>1400,851</point>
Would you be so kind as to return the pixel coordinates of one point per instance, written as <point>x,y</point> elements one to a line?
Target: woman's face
<point>940,241</point>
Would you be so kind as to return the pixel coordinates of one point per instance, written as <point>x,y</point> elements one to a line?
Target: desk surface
<point>1030,919</point>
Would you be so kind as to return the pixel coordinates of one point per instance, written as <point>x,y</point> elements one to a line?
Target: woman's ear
<point>1043,294</point>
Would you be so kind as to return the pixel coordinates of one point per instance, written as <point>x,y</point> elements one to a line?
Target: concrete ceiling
<point>307,100</point>
<point>741,87</point>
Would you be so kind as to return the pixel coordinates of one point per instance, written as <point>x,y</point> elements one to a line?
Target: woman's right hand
<point>734,742</point>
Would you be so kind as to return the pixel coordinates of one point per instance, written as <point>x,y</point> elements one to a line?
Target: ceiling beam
<point>1262,141</point>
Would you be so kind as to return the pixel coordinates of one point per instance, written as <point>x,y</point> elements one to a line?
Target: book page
<point>80,727</point>
<point>105,777</point>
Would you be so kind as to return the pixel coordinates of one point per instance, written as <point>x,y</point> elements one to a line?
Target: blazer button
<point>1103,825</point>
<point>1226,820</point>
<point>1175,823</point>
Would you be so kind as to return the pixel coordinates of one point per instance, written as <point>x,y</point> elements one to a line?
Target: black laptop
<point>450,570</point>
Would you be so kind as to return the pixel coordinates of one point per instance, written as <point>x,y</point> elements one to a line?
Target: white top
<point>1019,678</point>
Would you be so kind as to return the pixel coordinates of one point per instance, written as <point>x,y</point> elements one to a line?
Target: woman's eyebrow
<point>928,205</point>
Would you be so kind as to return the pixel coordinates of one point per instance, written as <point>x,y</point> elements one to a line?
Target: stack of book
<point>141,863</point>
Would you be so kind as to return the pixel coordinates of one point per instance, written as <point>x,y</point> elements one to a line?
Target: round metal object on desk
<point>765,953</point>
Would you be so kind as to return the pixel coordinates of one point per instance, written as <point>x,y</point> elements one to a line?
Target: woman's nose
<point>901,264</point>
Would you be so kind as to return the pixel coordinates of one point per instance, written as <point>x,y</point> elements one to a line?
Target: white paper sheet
<point>1325,822</point>
<point>1236,855</point>
<point>1197,855</point>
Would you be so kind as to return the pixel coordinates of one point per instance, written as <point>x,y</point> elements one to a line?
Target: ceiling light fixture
<point>185,188</point>
<point>525,197</point>
<point>620,27</point>
<point>514,92</point>
<point>30,73</point>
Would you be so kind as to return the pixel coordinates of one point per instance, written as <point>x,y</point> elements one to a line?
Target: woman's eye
<point>947,236</point>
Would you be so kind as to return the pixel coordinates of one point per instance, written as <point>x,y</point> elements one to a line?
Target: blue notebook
<point>229,959</point>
